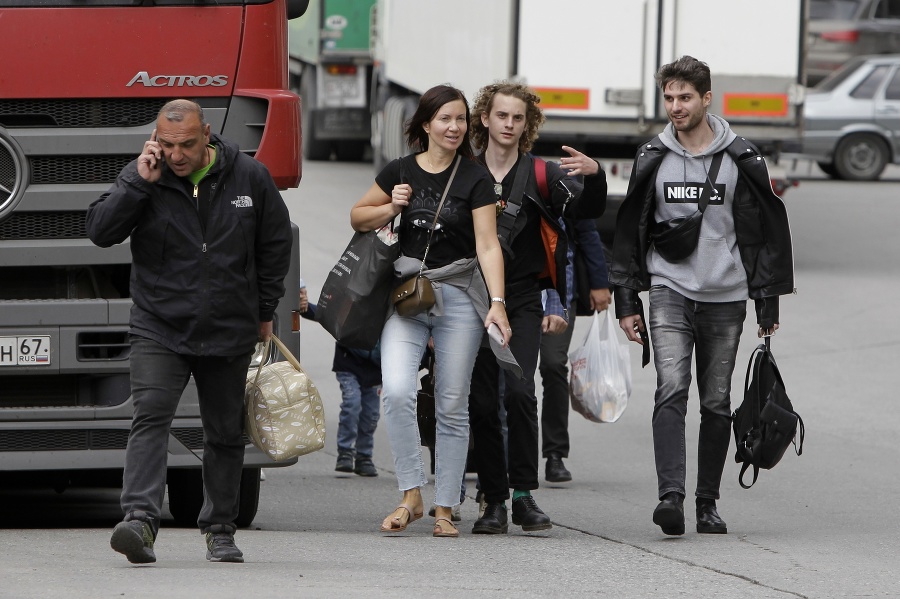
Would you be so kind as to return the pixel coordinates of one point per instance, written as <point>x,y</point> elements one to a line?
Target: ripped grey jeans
<point>677,326</point>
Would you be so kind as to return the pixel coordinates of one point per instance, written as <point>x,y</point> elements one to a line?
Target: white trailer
<point>593,63</point>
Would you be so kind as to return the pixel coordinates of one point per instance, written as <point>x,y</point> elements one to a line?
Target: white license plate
<point>31,350</point>
<point>341,88</point>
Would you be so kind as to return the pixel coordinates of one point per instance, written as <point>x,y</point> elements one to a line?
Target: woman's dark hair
<point>687,69</point>
<point>429,104</point>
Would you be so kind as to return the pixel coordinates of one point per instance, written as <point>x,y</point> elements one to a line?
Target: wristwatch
<point>499,300</point>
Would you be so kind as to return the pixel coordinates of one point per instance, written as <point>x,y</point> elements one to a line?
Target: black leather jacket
<point>760,221</point>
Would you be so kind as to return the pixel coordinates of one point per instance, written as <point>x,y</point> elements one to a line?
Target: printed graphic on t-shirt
<point>692,193</point>
<point>423,205</point>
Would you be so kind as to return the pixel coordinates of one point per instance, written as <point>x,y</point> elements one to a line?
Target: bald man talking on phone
<point>211,245</point>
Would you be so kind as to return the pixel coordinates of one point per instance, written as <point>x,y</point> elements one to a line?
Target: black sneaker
<point>556,471</point>
<point>344,462</point>
<point>669,514</point>
<point>220,547</point>
<point>527,514</point>
<point>365,467</point>
<point>134,540</point>
<point>493,522</point>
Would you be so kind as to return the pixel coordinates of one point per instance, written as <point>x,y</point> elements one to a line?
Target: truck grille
<point>64,391</point>
<point>57,170</point>
<point>8,174</point>
<point>114,112</point>
<point>11,174</point>
<point>44,225</point>
<point>63,440</point>
<point>78,440</point>
<point>192,438</point>
<point>102,346</point>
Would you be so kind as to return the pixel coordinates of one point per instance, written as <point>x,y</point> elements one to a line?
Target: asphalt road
<point>820,525</point>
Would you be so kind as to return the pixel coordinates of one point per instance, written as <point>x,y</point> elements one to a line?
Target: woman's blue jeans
<point>457,335</point>
<point>677,326</point>
<point>359,416</point>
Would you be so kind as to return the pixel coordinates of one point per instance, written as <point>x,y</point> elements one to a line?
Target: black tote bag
<point>355,298</point>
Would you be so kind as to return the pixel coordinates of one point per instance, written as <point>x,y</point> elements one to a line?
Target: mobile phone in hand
<point>495,334</point>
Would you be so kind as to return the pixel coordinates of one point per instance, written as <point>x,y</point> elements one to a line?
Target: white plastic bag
<point>600,372</point>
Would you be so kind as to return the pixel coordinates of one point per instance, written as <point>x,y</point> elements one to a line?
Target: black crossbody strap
<point>438,212</point>
<point>711,175</point>
<point>507,218</point>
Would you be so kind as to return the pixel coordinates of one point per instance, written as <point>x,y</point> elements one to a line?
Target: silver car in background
<point>852,119</point>
<point>841,29</point>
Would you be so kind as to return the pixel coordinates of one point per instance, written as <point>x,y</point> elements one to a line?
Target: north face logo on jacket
<point>243,202</point>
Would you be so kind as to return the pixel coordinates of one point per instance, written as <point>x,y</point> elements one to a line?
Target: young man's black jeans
<point>677,326</point>
<point>158,377</point>
<point>525,315</point>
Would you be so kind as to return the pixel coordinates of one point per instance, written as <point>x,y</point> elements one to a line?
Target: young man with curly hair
<point>505,122</point>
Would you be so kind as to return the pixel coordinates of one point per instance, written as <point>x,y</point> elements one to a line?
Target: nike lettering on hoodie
<point>684,193</point>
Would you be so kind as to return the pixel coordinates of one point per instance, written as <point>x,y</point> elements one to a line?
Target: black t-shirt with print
<point>454,236</point>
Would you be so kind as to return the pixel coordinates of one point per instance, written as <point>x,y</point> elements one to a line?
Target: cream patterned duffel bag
<point>285,417</point>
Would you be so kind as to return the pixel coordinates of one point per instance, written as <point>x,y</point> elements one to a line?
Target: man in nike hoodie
<point>743,251</point>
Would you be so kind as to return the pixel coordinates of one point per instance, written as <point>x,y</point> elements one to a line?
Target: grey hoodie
<point>713,272</point>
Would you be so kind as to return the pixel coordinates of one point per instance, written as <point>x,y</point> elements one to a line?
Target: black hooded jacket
<point>200,290</point>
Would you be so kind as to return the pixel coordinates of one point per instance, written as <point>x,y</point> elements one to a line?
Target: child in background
<point>359,374</point>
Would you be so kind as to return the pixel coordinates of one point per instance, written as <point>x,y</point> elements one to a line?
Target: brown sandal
<point>397,523</point>
<point>440,531</point>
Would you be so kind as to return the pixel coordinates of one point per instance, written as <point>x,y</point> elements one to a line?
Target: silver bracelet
<point>499,300</point>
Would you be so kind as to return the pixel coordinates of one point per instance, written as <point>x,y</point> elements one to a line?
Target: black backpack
<point>765,424</point>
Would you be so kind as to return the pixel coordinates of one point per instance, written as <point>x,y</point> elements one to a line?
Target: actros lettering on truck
<point>146,80</point>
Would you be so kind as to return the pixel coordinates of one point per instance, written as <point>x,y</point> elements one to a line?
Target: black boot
<point>493,522</point>
<point>527,514</point>
<point>669,514</point>
<point>708,520</point>
<point>556,471</point>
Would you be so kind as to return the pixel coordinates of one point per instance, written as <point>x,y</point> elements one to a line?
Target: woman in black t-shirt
<point>464,237</point>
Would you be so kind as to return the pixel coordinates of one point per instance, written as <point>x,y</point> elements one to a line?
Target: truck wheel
<point>313,148</point>
<point>186,496</point>
<point>397,110</point>
<point>861,157</point>
<point>248,500</point>
<point>828,169</point>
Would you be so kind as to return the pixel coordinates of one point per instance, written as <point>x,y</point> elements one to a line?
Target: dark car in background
<point>852,119</point>
<point>841,29</point>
